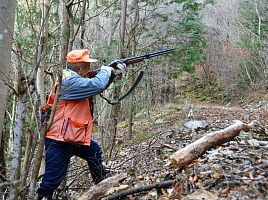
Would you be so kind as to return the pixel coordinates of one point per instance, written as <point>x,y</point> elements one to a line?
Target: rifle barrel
<point>152,54</point>
<point>139,58</point>
<point>158,53</point>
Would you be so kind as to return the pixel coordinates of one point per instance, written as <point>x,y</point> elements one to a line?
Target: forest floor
<point>237,169</point>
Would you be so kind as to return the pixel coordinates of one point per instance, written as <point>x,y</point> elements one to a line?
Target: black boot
<point>40,197</point>
<point>98,174</point>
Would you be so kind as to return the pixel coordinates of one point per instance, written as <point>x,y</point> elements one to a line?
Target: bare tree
<point>7,16</point>
<point>22,93</point>
<point>65,37</point>
<point>132,40</point>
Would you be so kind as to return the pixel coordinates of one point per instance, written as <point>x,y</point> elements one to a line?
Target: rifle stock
<point>132,60</point>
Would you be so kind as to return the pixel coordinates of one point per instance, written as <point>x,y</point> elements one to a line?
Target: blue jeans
<point>58,156</point>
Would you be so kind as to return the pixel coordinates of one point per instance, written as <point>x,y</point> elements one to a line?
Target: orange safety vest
<point>72,121</point>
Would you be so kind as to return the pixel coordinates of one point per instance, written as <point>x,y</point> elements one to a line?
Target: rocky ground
<point>234,170</point>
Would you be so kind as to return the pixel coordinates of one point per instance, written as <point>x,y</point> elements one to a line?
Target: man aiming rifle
<point>71,130</point>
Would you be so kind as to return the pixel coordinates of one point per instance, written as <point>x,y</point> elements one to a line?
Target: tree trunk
<point>111,25</point>
<point>115,108</point>
<point>189,153</point>
<point>98,27</point>
<point>42,50</point>
<point>133,43</point>
<point>7,16</point>
<point>40,78</point>
<point>17,147</point>
<point>27,153</point>
<point>73,33</point>
<point>104,115</point>
<point>63,52</point>
<point>123,28</point>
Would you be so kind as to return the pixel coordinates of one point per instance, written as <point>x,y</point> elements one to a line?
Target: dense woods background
<point>220,57</point>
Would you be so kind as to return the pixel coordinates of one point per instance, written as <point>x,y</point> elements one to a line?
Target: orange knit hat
<point>77,56</point>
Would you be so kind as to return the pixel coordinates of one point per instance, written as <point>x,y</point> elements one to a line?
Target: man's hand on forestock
<point>119,68</point>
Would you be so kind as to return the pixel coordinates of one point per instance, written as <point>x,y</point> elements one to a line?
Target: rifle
<point>132,60</point>
<point>128,61</point>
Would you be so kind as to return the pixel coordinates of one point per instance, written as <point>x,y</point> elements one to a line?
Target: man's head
<point>79,61</point>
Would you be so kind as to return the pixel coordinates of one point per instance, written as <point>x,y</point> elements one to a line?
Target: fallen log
<point>100,189</point>
<point>194,150</point>
<point>123,194</point>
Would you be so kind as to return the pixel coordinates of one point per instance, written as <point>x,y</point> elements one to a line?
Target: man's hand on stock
<point>109,69</point>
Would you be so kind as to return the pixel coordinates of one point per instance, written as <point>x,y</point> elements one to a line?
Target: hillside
<point>234,170</point>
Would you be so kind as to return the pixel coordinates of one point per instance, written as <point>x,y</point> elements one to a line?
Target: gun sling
<point>130,90</point>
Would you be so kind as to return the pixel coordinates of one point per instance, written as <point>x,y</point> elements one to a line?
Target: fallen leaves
<point>237,169</point>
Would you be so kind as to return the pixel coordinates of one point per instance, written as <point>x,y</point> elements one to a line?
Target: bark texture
<point>99,190</point>
<point>189,153</point>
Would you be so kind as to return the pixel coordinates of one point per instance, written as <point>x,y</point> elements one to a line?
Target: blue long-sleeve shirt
<point>76,87</point>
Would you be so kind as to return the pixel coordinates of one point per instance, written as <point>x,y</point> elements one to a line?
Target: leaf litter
<point>235,170</point>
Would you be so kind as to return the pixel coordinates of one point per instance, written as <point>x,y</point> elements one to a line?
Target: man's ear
<point>77,68</point>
